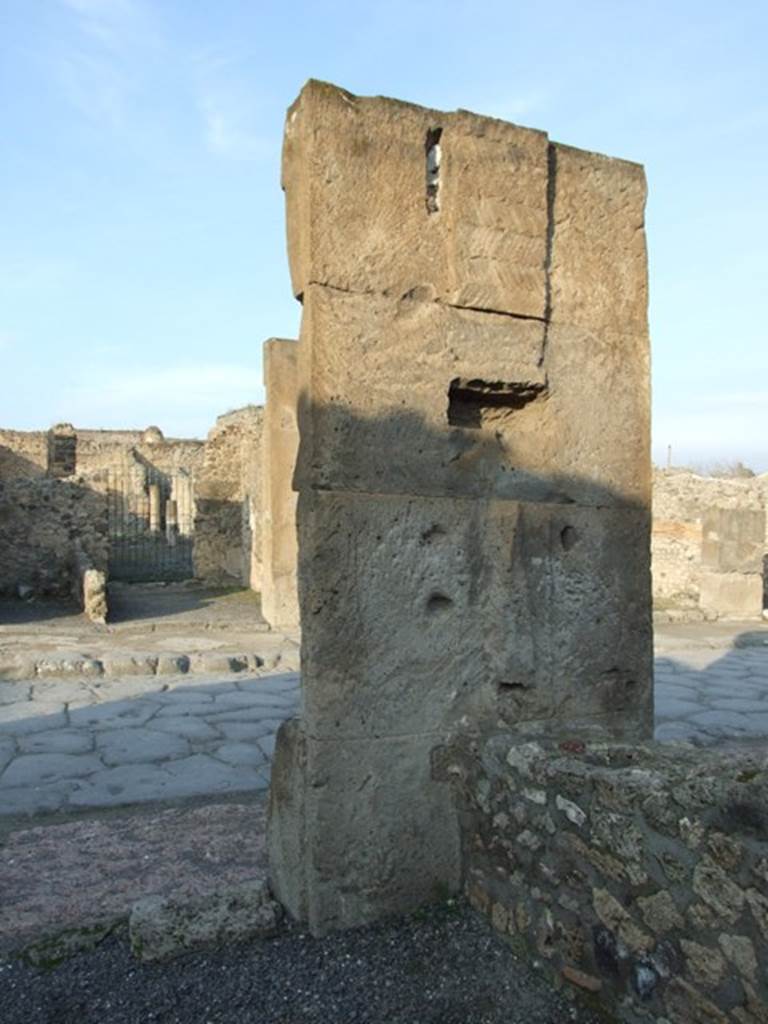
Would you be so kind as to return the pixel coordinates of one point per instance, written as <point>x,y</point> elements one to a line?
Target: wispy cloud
<point>233,126</point>
<point>97,68</point>
<point>721,427</point>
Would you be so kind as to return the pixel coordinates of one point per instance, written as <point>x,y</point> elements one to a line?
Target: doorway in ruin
<point>151,525</point>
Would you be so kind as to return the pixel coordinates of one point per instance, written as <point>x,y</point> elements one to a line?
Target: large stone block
<point>733,540</point>
<point>406,396</point>
<point>420,611</point>
<point>279,599</point>
<point>373,206</point>
<point>733,595</point>
<point>359,829</point>
<point>598,272</point>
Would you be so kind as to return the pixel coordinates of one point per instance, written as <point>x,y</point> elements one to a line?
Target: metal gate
<point>151,524</point>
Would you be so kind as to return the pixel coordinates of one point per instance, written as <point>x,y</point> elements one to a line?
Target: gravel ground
<point>441,967</point>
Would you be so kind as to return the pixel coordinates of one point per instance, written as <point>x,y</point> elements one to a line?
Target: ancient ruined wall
<point>637,875</point>
<point>42,523</point>
<point>279,596</point>
<point>473,475</point>
<point>228,501</point>
<point>709,541</point>
<point>23,453</point>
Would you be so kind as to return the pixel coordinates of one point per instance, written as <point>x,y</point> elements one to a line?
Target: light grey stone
<point>161,928</point>
<point>130,664</point>
<point>69,667</point>
<point>126,784</point>
<point>182,708</point>
<point>172,664</point>
<point>262,728</point>
<point>32,716</point>
<point>189,727</point>
<point>201,773</point>
<point>39,769</point>
<point>137,745</point>
<point>57,741</point>
<point>13,692</point>
<point>114,715</point>
<point>229,701</point>
<point>34,799</point>
<point>7,752</point>
<point>184,695</point>
<point>241,753</point>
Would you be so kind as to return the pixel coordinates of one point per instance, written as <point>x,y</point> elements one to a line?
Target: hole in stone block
<point>432,150</point>
<point>432,534</point>
<point>438,603</point>
<point>511,684</point>
<point>568,537</point>
<point>475,403</point>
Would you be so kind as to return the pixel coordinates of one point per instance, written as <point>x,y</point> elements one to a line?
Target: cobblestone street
<point>71,744</point>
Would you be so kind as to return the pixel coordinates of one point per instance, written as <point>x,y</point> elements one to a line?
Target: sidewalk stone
<point>190,727</point>
<point>241,753</point>
<point>57,741</point>
<point>114,715</point>
<point>137,745</point>
<point>11,692</point>
<point>31,716</point>
<point>39,769</point>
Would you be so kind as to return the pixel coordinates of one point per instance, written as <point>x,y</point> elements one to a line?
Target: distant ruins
<point>131,506</point>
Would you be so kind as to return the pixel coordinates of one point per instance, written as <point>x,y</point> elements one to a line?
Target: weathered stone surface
<point>457,322</point>
<point>354,173</point>
<point>598,273</point>
<point>657,947</point>
<point>359,405</point>
<point>484,592</point>
<point>741,953</point>
<point>706,965</point>
<point>659,912</point>
<point>279,595</point>
<point>162,928</point>
<point>339,810</point>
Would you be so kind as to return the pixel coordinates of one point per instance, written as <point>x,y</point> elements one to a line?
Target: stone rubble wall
<point>23,453</point>
<point>41,522</point>
<point>215,486</point>
<point>228,501</point>
<point>637,875</point>
<point>709,541</point>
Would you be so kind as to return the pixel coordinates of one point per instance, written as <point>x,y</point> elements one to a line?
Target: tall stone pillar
<point>473,476</point>
<point>279,598</point>
<point>154,508</point>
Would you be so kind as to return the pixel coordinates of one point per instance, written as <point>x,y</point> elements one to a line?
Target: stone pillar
<point>171,522</point>
<point>154,507</point>
<point>473,477</point>
<point>279,598</point>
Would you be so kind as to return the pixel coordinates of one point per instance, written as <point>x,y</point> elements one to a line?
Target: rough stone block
<point>472,403</point>
<point>598,274</point>
<point>279,598</point>
<point>466,607</point>
<point>732,595</point>
<point>358,829</point>
<point>361,175</point>
<point>733,540</point>
<point>161,928</point>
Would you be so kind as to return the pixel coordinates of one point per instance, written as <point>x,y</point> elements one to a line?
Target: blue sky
<point>142,253</point>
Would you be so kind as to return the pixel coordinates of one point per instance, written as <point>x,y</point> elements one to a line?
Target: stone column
<point>154,508</point>
<point>171,522</point>
<point>279,598</point>
<point>473,477</point>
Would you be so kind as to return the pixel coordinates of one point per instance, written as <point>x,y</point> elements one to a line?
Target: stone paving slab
<point>127,741</point>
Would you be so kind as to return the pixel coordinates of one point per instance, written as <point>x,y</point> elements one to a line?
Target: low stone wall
<point>635,874</point>
<point>708,543</point>
<point>42,521</point>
